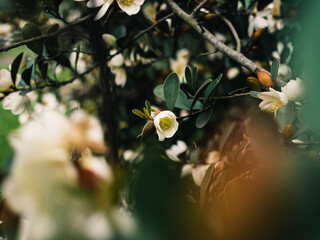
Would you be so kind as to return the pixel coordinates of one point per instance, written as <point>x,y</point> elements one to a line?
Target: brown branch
<point>236,56</point>
<point>49,35</point>
<point>197,8</point>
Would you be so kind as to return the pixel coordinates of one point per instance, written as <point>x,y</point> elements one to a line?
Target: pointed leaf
<point>26,75</point>
<point>15,67</point>
<point>171,89</point>
<point>148,106</point>
<point>189,78</point>
<point>211,88</point>
<point>205,184</point>
<point>203,118</point>
<point>201,89</point>
<point>138,113</point>
<point>194,76</point>
<point>254,94</point>
<point>158,91</point>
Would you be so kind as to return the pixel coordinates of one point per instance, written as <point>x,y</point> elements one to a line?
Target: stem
<point>197,8</point>
<point>50,35</point>
<point>236,56</point>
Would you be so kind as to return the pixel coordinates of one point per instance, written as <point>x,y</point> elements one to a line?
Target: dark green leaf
<point>182,101</point>
<point>63,60</point>
<point>189,78</point>
<point>15,67</point>
<point>52,43</point>
<point>194,76</point>
<point>204,118</point>
<point>211,88</point>
<point>274,70</point>
<point>29,31</point>
<point>171,89</point>
<point>201,89</point>
<point>26,75</point>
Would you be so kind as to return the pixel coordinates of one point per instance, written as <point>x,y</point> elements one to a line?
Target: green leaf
<point>29,31</point>
<point>15,67</point>
<point>205,184</point>
<point>247,3</point>
<point>211,88</point>
<point>171,89</point>
<point>63,60</point>
<point>138,113</point>
<point>148,106</point>
<point>147,113</point>
<point>52,44</point>
<point>201,89</point>
<point>194,76</point>
<point>274,70</point>
<point>204,118</point>
<point>189,78</point>
<point>158,91</point>
<point>26,75</point>
<point>285,115</point>
<point>182,101</point>
<point>254,94</point>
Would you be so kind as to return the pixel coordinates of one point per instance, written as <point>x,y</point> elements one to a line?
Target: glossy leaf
<point>15,67</point>
<point>138,113</point>
<point>158,91</point>
<point>26,75</point>
<point>200,91</point>
<point>211,88</point>
<point>171,89</point>
<point>29,31</point>
<point>204,118</point>
<point>188,77</point>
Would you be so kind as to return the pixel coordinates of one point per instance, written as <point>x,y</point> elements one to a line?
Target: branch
<point>211,105</point>
<point>232,29</point>
<point>50,35</point>
<point>236,56</point>
<point>197,8</point>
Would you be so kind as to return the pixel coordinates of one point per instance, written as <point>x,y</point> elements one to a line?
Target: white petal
<point>121,77</point>
<point>130,10</point>
<point>94,3</point>
<point>102,11</point>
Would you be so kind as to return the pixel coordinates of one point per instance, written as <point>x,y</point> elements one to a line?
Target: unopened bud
<point>254,83</point>
<point>257,35</point>
<point>265,79</point>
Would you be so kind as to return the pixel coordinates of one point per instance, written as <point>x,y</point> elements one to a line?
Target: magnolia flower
<point>179,64</point>
<point>5,80</point>
<point>272,100</point>
<point>15,102</point>
<point>176,150</point>
<point>166,124</point>
<point>294,90</point>
<point>130,7</point>
<point>116,66</point>
<point>274,20</point>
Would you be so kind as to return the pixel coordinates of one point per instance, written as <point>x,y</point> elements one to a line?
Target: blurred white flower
<point>98,166</point>
<point>110,40</point>
<point>5,28</point>
<point>81,63</point>
<point>258,20</point>
<point>179,64</point>
<point>176,150</point>
<point>294,90</point>
<point>15,102</point>
<point>166,124</point>
<point>97,227</point>
<point>150,11</point>
<point>130,7</point>
<point>116,66</point>
<point>129,155</point>
<point>233,73</point>
<point>5,80</point>
<point>272,100</point>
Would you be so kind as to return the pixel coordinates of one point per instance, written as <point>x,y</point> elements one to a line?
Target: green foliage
<point>31,30</point>
<point>15,67</point>
<point>200,91</point>
<point>171,88</point>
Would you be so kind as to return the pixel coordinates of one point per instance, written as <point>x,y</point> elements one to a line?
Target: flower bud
<point>265,79</point>
<point>254,83</point>
<point>257,35</point>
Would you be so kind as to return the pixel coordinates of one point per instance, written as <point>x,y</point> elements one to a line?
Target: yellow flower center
<point>165,123</point>
<point>276,105</point>
<point>126,2</point>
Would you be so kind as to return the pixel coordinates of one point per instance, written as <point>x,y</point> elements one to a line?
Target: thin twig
<point>49,35</point>
<point>211,105</point>
<point>232,29</point>
<point>236,56</point>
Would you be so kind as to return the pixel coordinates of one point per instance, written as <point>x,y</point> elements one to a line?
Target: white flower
<point>110,40</point>
<point>166,124</point>
<point>233,73</point>
<point>294,90</point>
<point>150,11</point>
<point>258,21</point>
<point>176,150</point>
<point>15,102</point>
<point>130,7</point>
<point>179,64</point>
<point>5,80</point>
<point>5,28</point>
<point>272,100</point>
<point>116,65</point>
